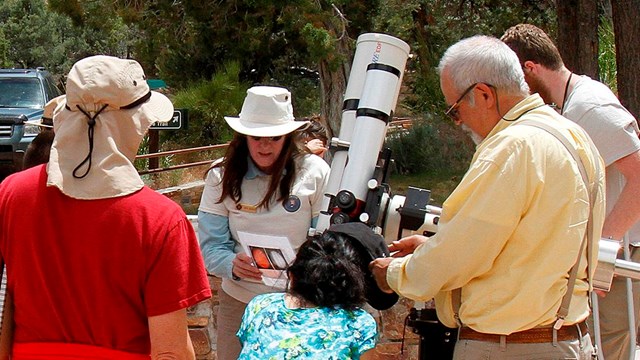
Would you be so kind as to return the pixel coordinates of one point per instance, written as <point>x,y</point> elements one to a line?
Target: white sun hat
<point>108,109</point>
<point>54,105</point>
<point>266,111</point>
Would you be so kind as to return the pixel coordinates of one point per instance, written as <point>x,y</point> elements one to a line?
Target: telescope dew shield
<point>370,48</point>
<point>379,96</point>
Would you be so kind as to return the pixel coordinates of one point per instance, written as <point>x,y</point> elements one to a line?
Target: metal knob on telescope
<point>339,218</point>
<point>345,200</point>
<point>605,269</point>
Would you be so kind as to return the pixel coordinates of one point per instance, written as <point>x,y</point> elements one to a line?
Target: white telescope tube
<point>370,48</point>
<point>379,98</point>
<point>373,115</point>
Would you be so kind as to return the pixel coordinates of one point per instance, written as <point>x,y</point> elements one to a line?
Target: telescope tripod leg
<point>596,325</point>
<point>632,319</point>
<point>630,305</point>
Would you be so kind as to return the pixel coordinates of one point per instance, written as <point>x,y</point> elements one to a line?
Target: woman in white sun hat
<point>264,187</point>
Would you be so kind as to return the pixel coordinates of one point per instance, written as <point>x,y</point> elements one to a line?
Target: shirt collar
<point>252,170</point>
<point>527,104</point>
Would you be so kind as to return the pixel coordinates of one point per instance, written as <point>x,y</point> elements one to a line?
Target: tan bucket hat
<point>108,109</point>
<point>266,111</point>
<point>54,105</point>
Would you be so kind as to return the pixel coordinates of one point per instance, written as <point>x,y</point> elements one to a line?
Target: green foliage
<point>303,84</point>
<point>430,146</point>
<point>71,8</point>
<point>430,27</point>
<point>4,48</point>
<point>189,40</point>
<point>319,40</point>
<point>35,36</point>
<point>607,54</point>
<point>208,102</point>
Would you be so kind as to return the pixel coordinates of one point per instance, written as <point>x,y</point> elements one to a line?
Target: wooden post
<point>154,143</point>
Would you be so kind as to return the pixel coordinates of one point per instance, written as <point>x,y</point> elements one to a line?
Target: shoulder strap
<point>588,238</point>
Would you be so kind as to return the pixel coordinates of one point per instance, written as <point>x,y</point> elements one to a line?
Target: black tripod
<point>436,340</point>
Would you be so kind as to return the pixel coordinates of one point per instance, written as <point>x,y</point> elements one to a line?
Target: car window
<point>52,89</point>
<point>15,92</point>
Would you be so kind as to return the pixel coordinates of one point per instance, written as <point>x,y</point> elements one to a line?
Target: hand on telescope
<point>407,245</point>
<point>244,268</point>
<point>378,268</point>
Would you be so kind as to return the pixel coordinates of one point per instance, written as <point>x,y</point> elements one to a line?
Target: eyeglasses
<point>270,138</point>
<point>453,112</point>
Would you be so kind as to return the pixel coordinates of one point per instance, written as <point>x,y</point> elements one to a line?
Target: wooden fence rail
<point>174,152</point>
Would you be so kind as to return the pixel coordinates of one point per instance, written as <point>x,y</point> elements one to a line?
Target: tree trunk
<point>577,38</point>
<point>333,84</point>
<point>627,29</point>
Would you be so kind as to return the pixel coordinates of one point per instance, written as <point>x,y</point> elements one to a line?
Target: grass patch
<point>441,184</point>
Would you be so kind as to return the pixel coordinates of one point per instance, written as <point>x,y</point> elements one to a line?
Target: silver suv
<point>23,94</point>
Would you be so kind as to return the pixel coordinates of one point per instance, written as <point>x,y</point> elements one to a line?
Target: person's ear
<point>529,66</point>
<point>486,91</point>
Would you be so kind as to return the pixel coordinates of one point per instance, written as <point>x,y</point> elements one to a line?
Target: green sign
<point>155,84</point>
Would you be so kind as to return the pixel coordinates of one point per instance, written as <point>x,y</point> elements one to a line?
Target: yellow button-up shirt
<point>511,231</point>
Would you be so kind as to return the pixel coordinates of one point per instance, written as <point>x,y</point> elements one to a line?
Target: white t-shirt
<point>612,128</point>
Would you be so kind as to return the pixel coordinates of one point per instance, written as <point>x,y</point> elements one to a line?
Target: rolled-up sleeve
<point>216,243</point>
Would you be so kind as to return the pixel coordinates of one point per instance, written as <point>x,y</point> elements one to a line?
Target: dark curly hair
<point>327,272</point>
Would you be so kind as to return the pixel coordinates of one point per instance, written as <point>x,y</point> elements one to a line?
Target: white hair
<point>484,59</point>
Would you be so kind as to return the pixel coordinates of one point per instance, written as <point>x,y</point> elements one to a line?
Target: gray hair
<point>484,59</point>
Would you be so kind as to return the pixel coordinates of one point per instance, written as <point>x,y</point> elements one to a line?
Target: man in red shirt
<point>99,266</point>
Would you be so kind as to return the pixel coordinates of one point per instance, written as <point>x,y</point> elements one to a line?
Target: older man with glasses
<point>614,130</point>
<point>509,264</point>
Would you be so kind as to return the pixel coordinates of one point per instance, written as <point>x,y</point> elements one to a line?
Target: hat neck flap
<point>112,144</point>
<point>91,122</point>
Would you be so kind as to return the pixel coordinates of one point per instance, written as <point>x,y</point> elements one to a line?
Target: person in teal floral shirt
<point>320,316</point>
